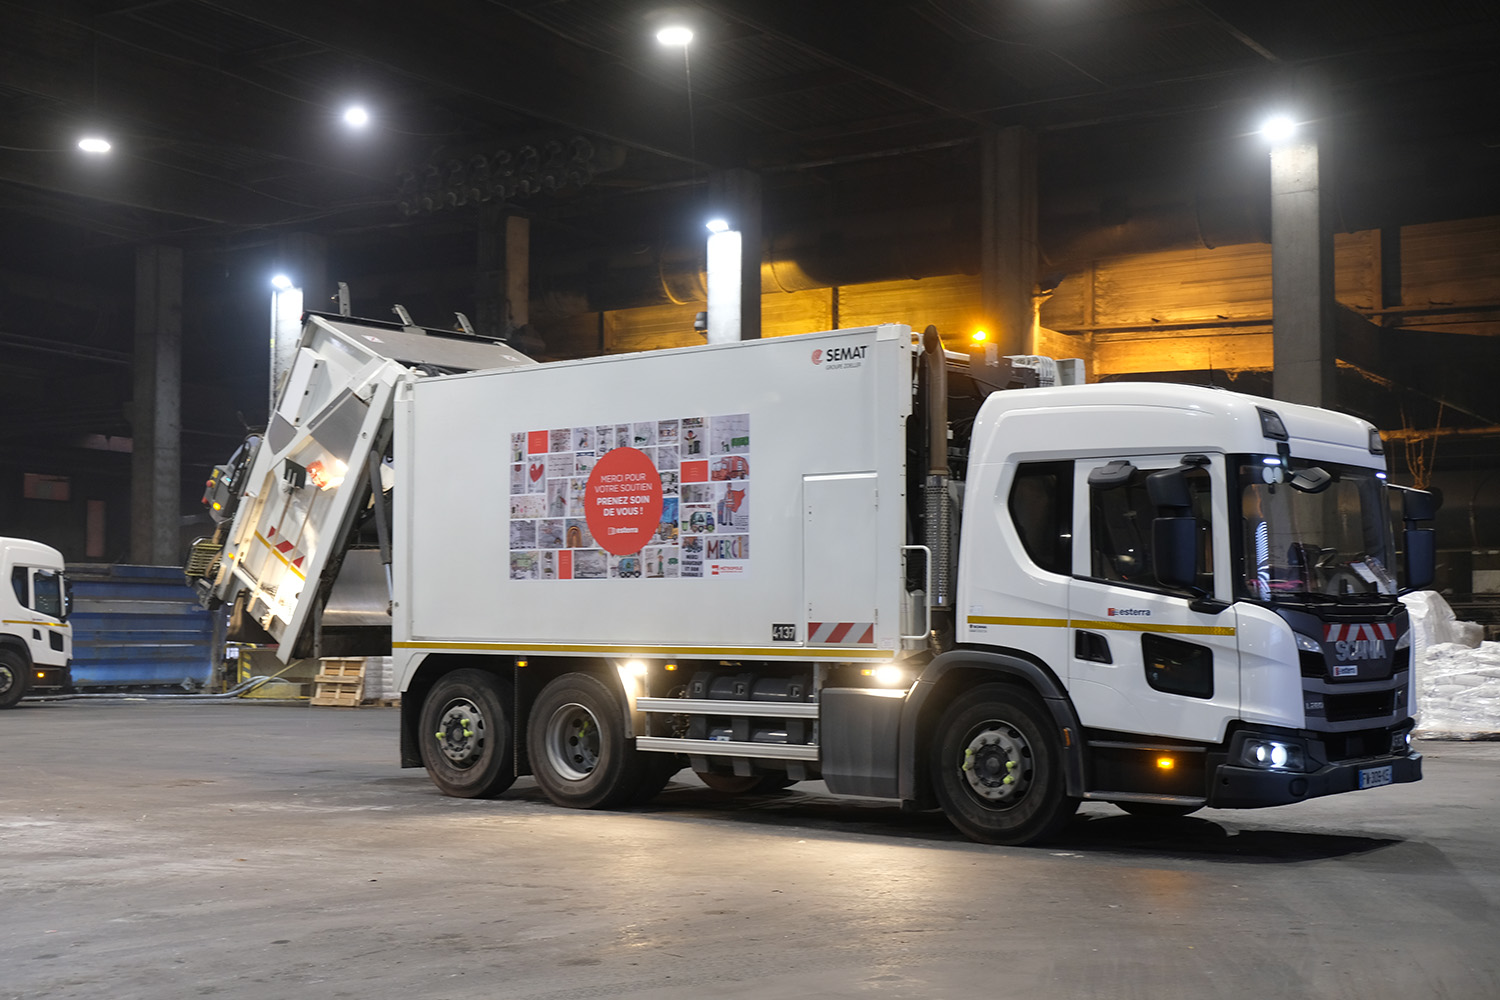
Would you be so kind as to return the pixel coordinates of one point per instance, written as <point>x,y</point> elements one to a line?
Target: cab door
<point>1142,661</point>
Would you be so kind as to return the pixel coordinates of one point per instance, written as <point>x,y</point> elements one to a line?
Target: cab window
<point>1041,507</point>
<point>38,589</point>
<point>1120,519</point>
<point>47,593</point>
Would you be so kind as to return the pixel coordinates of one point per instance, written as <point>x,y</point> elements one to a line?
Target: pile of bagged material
<point>1458,673</point>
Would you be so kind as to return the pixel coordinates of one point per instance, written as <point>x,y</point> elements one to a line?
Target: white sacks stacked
<point>1458,673</point>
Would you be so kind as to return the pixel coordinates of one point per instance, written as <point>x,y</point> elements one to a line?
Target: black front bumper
<point>1235,787</point>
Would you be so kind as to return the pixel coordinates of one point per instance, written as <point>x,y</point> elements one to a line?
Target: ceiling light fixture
<point>94,144</point>
<point>356,116</point>
<point>1278,128</point>
<point>675,34</point>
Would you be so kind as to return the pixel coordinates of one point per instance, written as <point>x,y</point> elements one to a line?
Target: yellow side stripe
<point>1036,622</point>
<point>284,560</point>
<point>36,621</point>
<point>801,652</point>
<point>1104,626</point>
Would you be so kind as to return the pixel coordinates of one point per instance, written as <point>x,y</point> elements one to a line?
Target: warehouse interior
<point>1084,179</point>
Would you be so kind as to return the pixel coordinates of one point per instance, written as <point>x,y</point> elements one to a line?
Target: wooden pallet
<point>339,683</point>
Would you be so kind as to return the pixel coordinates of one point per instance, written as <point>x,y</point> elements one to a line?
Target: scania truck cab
<point>1232,633</point>
<point>36,640</point>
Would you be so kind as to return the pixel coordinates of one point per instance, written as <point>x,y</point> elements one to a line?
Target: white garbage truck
<point>36,640</point>
<point>943,578</point>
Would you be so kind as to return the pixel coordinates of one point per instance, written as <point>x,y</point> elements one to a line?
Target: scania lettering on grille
<point>1358,642</point>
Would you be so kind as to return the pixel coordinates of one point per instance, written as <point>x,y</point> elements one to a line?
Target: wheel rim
<point>462,732</point>
<point>572,742</point>
<point>997,764</point>
<point>7,678</point>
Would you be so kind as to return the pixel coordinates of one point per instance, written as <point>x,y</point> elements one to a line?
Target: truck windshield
<point>1311,530</point>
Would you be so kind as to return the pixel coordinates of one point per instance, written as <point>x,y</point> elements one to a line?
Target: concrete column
<point>156,453</point>
<point>303,258</point>
<point>1302,301</point>
<point>735,195</point>
<point>1007,238</point>
<point>502,293</point>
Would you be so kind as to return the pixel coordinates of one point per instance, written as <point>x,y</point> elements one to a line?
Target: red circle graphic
<point>622,501</point>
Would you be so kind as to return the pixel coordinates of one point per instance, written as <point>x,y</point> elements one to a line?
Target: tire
<point>1157,810</point>
<point>580,756</point>
<point>13,678</point>
<point>997,767</point>
<point>753,784</point>
<point>466,734</point>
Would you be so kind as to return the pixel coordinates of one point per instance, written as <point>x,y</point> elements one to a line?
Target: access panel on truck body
<point>659,502</point>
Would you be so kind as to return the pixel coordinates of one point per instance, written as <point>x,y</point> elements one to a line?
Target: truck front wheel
<point>997,767</point>
<point>465,735</point>
<point>12,678</point>
<point>579,753</point>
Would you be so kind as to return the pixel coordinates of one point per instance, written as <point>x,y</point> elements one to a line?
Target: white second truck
<point>36,640</point>
<point>850,556</point>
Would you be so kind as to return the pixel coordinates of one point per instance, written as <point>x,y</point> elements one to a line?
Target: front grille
<point>1366,705</point>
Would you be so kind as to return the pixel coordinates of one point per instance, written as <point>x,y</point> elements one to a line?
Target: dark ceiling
<point>225,120</point>
<point>225,114</point>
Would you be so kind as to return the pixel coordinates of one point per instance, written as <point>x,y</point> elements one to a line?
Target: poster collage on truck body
<point>653,500</point>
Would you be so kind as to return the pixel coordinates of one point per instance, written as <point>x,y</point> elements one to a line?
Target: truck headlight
<point>1405,641</point>
<point>1272,755</point>
<point>1307,643</point>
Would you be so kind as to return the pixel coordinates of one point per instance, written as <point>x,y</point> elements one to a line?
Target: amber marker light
<point>979,336</point>
<point>1165,763</point>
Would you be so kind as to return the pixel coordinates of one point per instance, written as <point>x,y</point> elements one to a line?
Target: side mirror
<point>1311,480</point>
<point>1116,473</point>
<point>1420,543</point>
<point>1168,488</point>
<point>1421,557</point>
<point>1419,505</point>
<point>1174,551</point>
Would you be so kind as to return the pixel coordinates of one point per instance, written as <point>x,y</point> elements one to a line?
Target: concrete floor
<point>173,850</point>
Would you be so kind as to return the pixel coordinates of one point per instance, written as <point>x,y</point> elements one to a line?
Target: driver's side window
<point>1120,516</point>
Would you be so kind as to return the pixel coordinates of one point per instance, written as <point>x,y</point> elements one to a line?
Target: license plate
<point>1374,777</point>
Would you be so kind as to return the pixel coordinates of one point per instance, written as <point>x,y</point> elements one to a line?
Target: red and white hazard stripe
<point>1339,633</point>
<point>841,633</point>
<point>285,549</point>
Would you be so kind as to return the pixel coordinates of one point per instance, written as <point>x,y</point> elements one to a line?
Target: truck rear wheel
<point>997,767</point>
<point>465,735</point>
<point>580,755</point>
<point>13,676</point>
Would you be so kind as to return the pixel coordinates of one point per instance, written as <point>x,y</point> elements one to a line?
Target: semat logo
<point>1129,613</point>
<point>818,356</point>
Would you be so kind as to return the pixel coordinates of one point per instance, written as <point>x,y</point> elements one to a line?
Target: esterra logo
<point>1129,613</point>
